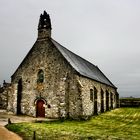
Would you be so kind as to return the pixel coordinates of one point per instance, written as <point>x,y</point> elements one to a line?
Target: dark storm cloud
<point>104,32</point>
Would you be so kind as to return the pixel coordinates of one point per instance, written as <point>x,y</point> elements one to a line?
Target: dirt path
<point>8,135</point>
<point>16,119</point>
<point>5,134</point>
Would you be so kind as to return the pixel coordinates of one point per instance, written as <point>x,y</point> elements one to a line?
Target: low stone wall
<point>130,102</point>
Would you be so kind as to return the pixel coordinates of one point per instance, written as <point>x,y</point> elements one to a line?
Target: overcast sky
<point>105,32</point>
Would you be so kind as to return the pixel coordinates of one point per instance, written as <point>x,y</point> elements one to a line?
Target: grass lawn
<point>118,124</point>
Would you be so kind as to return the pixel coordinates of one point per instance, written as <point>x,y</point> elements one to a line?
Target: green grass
<point>119,124</point>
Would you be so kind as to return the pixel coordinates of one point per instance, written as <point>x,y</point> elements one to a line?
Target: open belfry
<point>54,82</point>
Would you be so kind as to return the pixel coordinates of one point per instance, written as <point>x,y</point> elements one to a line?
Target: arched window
<point>91,95</point>
<point>19,96</point>
<point>107,100</point>
<point>0,101</point>
<point>40,76</point>
<point>102,100</point>
<point>95,101</point>
<point>111,99</point>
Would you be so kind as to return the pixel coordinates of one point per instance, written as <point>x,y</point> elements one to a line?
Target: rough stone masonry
<point>53,82</point>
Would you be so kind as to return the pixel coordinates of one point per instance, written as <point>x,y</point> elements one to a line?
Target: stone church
<point>54,82</point>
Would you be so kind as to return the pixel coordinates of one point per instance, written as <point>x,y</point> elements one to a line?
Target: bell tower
<point>44,26</point>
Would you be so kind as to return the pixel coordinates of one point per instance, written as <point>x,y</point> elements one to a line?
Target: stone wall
<point>4,92</point>
<point>130,102</point>
<point>86,85</point>
<point>59,88</point>
<point>3,99</point>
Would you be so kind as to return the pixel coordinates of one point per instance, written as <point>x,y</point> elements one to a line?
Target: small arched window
<point>40,76</point>
<point>95,93</point>
<point>95,90</point>
<point>91,95</point>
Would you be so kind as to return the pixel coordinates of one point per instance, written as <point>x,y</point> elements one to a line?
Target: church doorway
<point>40,108</point>
<point>19,96</point>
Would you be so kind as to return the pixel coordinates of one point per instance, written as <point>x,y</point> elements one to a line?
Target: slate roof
<point>82,66</point>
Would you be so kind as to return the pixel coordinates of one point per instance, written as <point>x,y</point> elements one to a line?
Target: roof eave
<point>96,80</point>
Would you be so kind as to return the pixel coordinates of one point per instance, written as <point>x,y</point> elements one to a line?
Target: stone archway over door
<point>40,108</point>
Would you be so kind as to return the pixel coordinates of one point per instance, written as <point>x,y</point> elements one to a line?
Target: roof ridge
<point>74,53</point>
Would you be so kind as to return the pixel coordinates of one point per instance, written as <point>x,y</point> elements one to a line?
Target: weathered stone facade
<point>47,85</point>
<point>53,90</point>
<point>88,103</point>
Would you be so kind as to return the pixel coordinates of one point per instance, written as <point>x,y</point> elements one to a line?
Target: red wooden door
<point>40,109</point>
